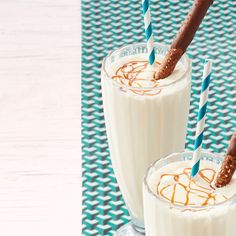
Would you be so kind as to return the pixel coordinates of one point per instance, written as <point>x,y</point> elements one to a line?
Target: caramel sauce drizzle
<point>130,75</point>
<point>203,192</point>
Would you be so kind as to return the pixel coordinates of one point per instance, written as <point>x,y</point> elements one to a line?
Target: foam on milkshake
<point>173,184</point>
<point>137,73</point>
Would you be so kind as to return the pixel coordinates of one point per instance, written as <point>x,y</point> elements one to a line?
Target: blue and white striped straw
<point>201,117</point>
<point>148,31</point>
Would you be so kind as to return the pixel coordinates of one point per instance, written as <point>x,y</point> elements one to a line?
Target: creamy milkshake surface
<point>136,72</point>
<point>174,185</point>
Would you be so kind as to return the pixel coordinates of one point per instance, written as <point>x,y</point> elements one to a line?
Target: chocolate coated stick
<point>183,38</point>
<point>228,166</point>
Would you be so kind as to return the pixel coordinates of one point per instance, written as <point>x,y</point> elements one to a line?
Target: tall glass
<point>141,127</point>
<point>165,219</point>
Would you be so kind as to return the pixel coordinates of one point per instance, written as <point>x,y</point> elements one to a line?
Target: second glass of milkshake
<point>177,205</point>
<point>145,119</point>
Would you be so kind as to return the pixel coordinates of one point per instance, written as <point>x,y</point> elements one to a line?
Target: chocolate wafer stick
<point>183,38</point>
<point>228,166</point>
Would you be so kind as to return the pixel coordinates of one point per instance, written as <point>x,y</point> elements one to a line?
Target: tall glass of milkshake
<point>175,204</point>
<point>146,119</point>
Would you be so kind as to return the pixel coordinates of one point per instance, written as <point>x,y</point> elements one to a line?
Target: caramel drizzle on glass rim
<point>209,192</point>
<point>129,75</point>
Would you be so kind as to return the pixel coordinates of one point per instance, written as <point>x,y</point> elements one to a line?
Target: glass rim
<point>180,207</point>
<point>186,59</point>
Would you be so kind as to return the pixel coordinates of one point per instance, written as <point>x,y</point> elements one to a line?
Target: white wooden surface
<point>39,117</point>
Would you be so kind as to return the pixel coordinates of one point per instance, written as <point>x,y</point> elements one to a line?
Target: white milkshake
<point>145,119</point>
<point>175,204</point>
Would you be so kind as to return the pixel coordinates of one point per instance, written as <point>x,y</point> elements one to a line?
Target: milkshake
<point>145,119</point>
<point>175,204</point>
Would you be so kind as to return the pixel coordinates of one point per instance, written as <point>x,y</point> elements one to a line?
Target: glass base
<point>129,230</point>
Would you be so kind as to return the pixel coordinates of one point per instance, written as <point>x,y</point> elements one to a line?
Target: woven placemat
<point>109,24</point>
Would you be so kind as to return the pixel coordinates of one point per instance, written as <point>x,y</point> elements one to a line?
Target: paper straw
<point>201,117</point>
<point>148,31</point>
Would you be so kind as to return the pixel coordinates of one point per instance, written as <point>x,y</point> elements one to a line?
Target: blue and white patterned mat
<point>109,24</point>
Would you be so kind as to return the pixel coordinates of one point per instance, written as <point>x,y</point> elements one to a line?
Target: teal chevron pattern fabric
<point>109,24</point>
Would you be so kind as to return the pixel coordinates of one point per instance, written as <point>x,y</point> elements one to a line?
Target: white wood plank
<point>40,117</point>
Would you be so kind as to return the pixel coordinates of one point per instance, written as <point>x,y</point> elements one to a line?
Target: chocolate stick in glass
<point>183,38</point>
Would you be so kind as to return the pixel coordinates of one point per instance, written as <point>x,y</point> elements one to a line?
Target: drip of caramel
<point>130,75</point>
<point>206,193</point>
